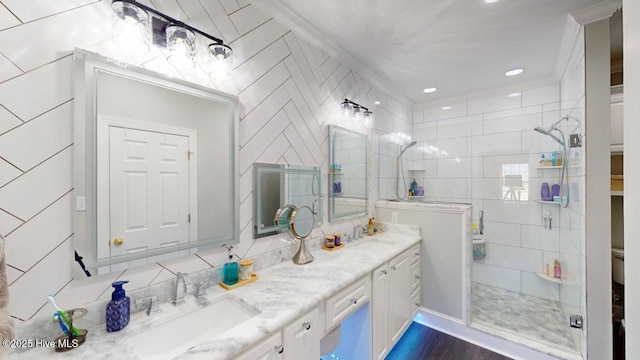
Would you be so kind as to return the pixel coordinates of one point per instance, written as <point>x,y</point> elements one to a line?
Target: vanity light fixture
<point>377,102</point>
<point>446,108</point>
<point>429,90</point>
<point>490,1</point>
<point>514,72</point>
<point>514,94</point>
<point>136,24</point>
<point>357,112</point>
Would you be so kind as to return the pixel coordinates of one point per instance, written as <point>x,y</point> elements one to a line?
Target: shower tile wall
<point>289,92</point>
<point>463,155</point>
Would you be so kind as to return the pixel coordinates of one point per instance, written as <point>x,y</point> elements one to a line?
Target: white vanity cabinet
<point>394,302</point>
<point>268,349</point>
<point>301,338</point>
<point>380,312</point>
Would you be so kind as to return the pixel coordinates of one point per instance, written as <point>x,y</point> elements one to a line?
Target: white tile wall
<point>288,90</point>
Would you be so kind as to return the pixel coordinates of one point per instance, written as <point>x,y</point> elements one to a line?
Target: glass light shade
<point>181,44</point>
<point>347,109</point>
<point>218,60</point>
<point>357,114</point>
<point>368,119</point>
<point>130,28</point>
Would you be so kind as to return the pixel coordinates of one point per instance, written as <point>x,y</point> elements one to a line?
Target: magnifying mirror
<point>301,226</point>
<point>282,220</point>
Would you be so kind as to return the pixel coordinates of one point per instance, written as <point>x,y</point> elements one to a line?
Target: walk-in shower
<point>400,170</point>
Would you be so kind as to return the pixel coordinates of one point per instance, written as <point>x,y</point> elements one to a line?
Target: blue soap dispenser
<point>230,269</point>
<point>119,308</point>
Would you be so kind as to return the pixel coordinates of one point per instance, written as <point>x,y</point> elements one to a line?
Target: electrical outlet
<point>394,217</point>
<point>81,203</point>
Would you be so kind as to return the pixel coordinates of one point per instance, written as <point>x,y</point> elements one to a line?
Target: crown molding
<point>569,38</point>
<point>596,12</point>
<point>302,27</point>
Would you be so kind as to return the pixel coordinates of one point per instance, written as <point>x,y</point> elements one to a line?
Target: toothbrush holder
<point>66,342</point>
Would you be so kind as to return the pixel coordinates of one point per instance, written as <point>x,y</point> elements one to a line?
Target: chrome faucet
<point>359,231</point>
<point>181,291</point>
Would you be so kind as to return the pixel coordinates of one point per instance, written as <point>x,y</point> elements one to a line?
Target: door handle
<point>118,241</point>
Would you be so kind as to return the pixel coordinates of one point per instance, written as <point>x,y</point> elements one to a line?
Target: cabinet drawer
<point>415,275</point>
<point>414,254</point>
<point>342,304</point>
<point>415,300</point>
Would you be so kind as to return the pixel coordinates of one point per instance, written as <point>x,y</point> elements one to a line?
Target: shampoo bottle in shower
<point>545,192</point>
<point>557,272</point>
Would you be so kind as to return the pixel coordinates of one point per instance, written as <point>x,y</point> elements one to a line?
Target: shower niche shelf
<point>549,278</point>
<point>549,167</point>
<point>548,202</point>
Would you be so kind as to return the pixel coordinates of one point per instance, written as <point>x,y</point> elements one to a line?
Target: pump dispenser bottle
<point>119,308</point>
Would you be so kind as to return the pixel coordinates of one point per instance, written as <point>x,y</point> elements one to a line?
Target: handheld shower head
<point>542,131</point>
<point>406,147</point>
<point>549,132</point>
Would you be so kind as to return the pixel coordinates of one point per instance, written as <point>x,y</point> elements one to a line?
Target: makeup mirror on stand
<point>301,225</point>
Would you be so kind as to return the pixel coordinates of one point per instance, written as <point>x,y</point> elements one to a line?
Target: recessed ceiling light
<point>490,1</point>
<point>446,108</point>
<point>377,102</point>
<point>429,90</point>
<point>514,72</point>
<point>515,94</point>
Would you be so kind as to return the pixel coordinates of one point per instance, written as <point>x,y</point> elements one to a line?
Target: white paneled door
<point>148,203</point>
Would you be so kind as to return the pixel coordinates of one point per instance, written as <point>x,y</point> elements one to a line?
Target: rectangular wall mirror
<point>347,173</point>
<point>275,185</point>
<point>155,165</point>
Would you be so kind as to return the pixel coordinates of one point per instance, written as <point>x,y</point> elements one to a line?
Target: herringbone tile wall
<point>288,89</point>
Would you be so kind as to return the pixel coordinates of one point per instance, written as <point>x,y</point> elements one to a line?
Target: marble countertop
<point>283,293</point>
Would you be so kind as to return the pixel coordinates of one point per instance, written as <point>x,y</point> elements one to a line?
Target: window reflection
<point>515,182</point>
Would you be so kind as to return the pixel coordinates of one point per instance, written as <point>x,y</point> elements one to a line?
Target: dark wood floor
<point>421,343</point>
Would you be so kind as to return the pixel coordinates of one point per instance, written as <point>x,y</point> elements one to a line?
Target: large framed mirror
<point>155,168</point>
<point>347,173</point>
<point>276,185</point>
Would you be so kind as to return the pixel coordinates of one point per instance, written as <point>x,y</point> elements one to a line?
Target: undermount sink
<point>173,337</point>
<point>383,239</point>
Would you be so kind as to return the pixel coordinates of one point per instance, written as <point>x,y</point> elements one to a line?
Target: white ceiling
<point>457,46</point>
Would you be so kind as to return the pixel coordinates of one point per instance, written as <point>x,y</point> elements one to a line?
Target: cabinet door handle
<point>279,349</point>
<point>394,268</point>
<point>354,301</point>
<point>384,272</point>
<point>306,326</point>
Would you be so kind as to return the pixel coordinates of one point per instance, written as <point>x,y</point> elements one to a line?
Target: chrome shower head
<point>406,147</point>
<point>542,131</point>
<point>549,133</point>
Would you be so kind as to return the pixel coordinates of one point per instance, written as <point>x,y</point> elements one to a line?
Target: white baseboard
<point>480,338</point>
